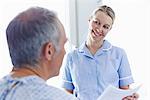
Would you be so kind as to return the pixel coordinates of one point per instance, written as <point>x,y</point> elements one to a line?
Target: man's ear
<point>49,51</point>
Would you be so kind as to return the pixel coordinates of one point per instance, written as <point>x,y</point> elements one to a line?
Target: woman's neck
<point>93,46</point>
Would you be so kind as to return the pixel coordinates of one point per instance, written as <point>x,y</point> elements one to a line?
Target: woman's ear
<point>110,28</point>
<point>49,51</point>
<point>90,18</point>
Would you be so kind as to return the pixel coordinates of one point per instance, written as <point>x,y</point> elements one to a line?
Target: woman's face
<point>99,26</point>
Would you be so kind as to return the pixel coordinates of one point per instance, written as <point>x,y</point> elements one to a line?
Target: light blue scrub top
<point>89,75</point>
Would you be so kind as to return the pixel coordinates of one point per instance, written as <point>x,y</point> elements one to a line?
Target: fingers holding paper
<point>134,96</point>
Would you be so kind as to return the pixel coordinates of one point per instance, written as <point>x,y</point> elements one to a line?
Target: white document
<point>113,93</point>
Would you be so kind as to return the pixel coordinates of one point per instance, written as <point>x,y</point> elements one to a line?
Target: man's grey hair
<point>28,32</point>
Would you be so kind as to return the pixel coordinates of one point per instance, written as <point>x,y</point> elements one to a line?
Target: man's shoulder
<point>57,93</point>
<point>45,92</point>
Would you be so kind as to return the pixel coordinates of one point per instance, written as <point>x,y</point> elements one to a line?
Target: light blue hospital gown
<point>89,75</point>
<point>30,88</point>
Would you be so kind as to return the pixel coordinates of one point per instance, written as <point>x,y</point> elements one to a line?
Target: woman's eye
<point>96,22</point>
<point>106,27</point>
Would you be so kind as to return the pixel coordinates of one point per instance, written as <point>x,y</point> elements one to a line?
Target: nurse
<point>89,69</point>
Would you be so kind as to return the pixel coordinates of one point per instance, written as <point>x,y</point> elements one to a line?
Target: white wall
<point>80,11</point>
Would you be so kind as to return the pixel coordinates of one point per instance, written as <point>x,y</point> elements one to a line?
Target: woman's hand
<point>134,96</point>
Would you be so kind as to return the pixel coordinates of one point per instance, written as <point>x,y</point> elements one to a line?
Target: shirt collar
<point>105,47</point>
<point>83,49</point>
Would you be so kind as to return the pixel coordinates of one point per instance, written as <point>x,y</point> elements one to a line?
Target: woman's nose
<point>99,29</point>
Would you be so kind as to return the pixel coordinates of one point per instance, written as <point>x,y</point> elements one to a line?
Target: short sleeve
<point>125,75</point>
<point>66,74</point>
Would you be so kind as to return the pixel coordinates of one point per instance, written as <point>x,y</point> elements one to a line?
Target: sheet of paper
<point>113,93</point>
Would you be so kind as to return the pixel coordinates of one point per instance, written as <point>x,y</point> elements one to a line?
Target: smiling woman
<point>11,8</point>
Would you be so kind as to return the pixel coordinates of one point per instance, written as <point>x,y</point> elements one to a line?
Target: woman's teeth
<point>97,32</point>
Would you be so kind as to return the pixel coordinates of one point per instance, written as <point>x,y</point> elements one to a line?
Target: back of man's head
<point>28,32</point>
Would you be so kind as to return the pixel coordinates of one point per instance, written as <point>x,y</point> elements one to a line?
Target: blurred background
<point>130,31</point>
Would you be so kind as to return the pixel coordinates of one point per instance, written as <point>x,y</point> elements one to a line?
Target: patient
<point>36,39</point>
